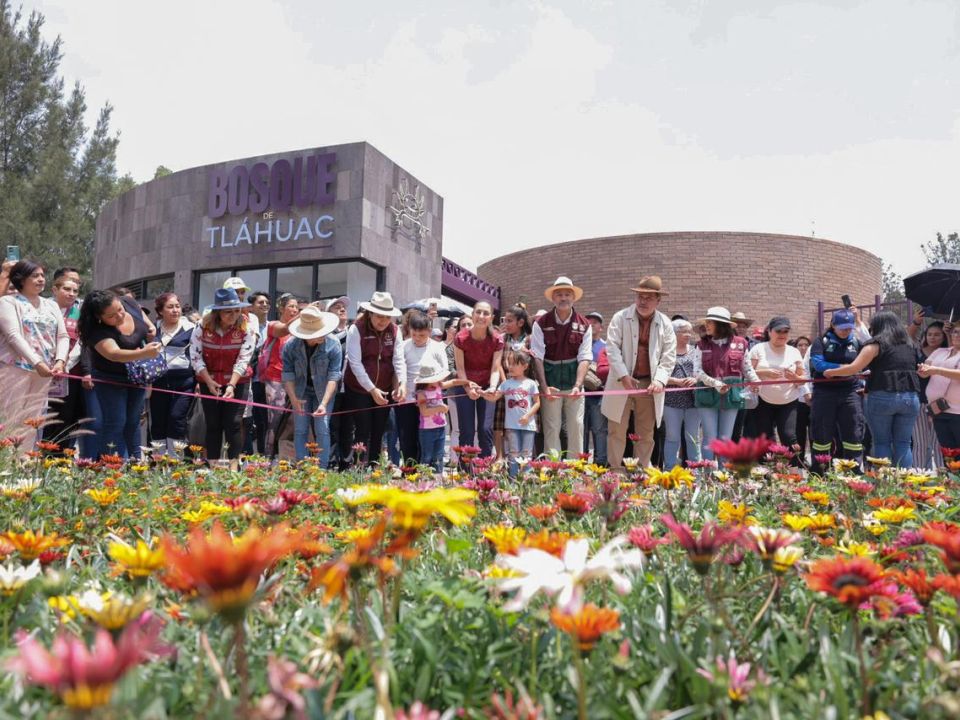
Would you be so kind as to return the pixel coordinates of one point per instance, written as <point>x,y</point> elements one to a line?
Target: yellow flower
<point>195,516</point>
<point>895,515</point>
<point>816,497</point>
<point>676,477</point>
<point>139,561</point>
<point>721,476</point>
<point>353,534</point>
<point>112,612</point>
<point>66,605</point>
<point>860,549</point>
<point>879,462</point>
<point>735,514</point>
<point>412,510</point>
<point>139,468</point>
<point>786,557</point>
<point>213,508</point>
<point>495,572</point>
<point>631,464</point>
<point>843,465</point>
<point>30,545</point>
<point>21,488</point>
<point>821,523</point>
<point>505,539</point>
<point>102,496</point>
<point>917,479</point>
<point>797,523</point>
<point>873,526</point>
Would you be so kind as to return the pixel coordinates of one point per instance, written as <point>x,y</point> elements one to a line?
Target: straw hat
<point>563,283</point>
<point>650,284</point>
<point>430,374</point>
<point>313,323</point>
<point>739,318</point>
<point>381,304</point>
<point>235,283</point>
<point>718,314</point>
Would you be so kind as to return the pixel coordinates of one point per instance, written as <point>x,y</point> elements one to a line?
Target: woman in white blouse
<point>168,412</point>
<point>33,345</point>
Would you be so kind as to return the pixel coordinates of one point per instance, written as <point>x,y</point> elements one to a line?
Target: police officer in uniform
<point>836,404</point>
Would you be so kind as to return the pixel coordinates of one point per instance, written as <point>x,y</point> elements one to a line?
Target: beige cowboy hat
<point>430,374</point>
<point>313,323</point>
<point>381,304</point>
<point>718,314</point>
<point>738,318</point>
<point>563,283</point>
<point>650,284</point>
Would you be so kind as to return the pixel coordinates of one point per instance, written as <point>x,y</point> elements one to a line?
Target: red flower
<point>573,504</point>
<point>746,452</point>
<point>945,536</point>
<point>950,452</point>
<point>643,538</point>
<point>703,548</point>
<point>917,582</point>
<point>852,581</point>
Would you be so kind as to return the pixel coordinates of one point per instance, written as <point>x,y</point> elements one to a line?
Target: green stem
<point>864,678</point>
<point>581,682</point>
<point>532,682</point>
<point>932,628</point>
<point>766,605</point>
<point>243,668</point>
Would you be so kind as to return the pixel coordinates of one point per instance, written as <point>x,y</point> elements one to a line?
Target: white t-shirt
<point>434,353</point>
<point>770,359</point>
<point>518,396</point>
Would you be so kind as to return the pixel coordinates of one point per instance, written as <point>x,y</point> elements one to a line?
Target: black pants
<point>832,412</point>
<point>947,428</point>
<point>223,423</point>
<point>782,418</point>
<point>260,420</point>
<point>168,413</point>
<point>803,426</point>
<point>369,422</point>
<point>69,410</point>
<point>408,429</point>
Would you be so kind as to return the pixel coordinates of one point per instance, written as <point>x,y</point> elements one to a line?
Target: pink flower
<point>284,699</point>
<point>745,453</point>
<point>736,676</point>
<point>890,602</point>
<point>418,711</point>
<point>702,549</point>
<point>642,537</point>
<point>82,677</point>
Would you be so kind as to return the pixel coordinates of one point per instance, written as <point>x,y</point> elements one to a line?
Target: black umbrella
<point>444,309</point>
<point>937,287</point>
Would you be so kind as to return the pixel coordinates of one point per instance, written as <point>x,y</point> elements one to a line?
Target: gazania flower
<point>417,711</point>
<point>573,503</point>
<point>412,510</point>
<point>12,578</point>
<point>766,541</point>
<point>878,462</point>
<point>84,677</point>
<point>542,512</point>
<point>895,515</point>
<point>112,611</point>
<point>138,561</point>
<point>565,577</point>
<point>817,523</point>
<point>947,538</point>
<point>816,497</point>
<point>642,537</point>
<point>30,544</point>
<point>736,676</point>
<point>742,454</point>
<point>504,539</point>
<point>734,513</point>
<point>702,549</point>
<point>587,624</point>
<point>893,603</point>
<point>917,582</point>
<point>102,496</point>
<point>785,558</point>
<point>224,570</point>
<point>552,543</point>
<point>669,480</point>
<point>856,549</point>
<point>852,581</point>
<point>844,465</point>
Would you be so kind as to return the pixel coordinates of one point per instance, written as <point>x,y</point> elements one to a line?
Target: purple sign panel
<point>278,186</point>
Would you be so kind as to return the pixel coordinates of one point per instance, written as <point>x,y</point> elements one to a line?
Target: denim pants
<point>716,423</point>
<point>321,429</point>
<point>476,417</point>
<point>519,445</point>
<point>947,427</point>
<point>119,411</point>
<point>93,427</point>
<point>686,422</point>
<point>432,442</point>
<point>890,417</point>
<point>595,426</point>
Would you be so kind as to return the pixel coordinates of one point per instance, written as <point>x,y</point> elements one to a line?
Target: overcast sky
<point>541,122</point>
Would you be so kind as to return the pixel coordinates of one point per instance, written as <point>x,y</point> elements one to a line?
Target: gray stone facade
<point>164,227</point>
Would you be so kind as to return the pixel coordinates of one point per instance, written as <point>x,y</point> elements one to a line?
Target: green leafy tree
<point>892,284</point>
<point>943,249</point>
<point>55,172</point>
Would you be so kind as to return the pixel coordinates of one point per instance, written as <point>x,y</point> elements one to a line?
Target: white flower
<point>13,577</point>
<point>565,577</point>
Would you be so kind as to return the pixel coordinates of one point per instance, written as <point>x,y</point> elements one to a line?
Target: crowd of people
<point>114,377</point>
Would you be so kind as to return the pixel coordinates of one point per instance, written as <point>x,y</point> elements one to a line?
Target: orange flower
<point>542,512</point>
<point>332,576</point>
<point>917,582</point>
<point>851,580</point>
<point>225,570</point>
<point>945,536</point>
<point>550,542</point>
<point>587,624</point>
<point>573,504</point>
<point>31,545</point>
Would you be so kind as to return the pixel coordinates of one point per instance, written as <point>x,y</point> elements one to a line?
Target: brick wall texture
<point>760,274</point>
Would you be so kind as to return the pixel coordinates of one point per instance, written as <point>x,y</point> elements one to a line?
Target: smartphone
<point>928,310</point>
<point>847,302</point>
<point>13,253</point>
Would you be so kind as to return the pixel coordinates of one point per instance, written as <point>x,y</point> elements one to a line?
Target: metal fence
<point>904,309</point>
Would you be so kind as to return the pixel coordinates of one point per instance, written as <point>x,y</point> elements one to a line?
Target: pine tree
<point>55,174</point>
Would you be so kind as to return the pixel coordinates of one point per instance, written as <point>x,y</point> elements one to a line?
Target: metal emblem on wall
<point>409,211</point>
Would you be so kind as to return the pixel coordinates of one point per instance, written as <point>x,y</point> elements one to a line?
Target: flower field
<point>169,590</point>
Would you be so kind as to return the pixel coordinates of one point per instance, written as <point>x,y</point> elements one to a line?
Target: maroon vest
<point>220,353</point>
<point>720,361</point>
<point>376,355</point>
<point>562,342</point>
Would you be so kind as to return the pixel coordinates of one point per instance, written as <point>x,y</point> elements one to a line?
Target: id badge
<point>59,387</point>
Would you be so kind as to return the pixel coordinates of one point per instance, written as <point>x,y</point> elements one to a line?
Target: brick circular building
<point>760,274</point>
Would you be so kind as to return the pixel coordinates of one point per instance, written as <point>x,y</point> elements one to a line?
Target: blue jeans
<point>321,429</point>
<point>595,426</point>
<point>432,442</point>
<point>120,409</point>
<point>716,423</point>
<point>679,421</point>
<point>476,417</point>
<point>891,416</point>
<point>519,444</point>
<point>90,441</point>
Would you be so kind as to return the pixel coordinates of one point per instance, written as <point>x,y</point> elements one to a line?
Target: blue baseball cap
<point>843,320</point>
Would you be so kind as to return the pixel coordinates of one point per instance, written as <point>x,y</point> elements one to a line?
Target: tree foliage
<point>55,172</point>
<point>943,249</point>
<point>892,284</point>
